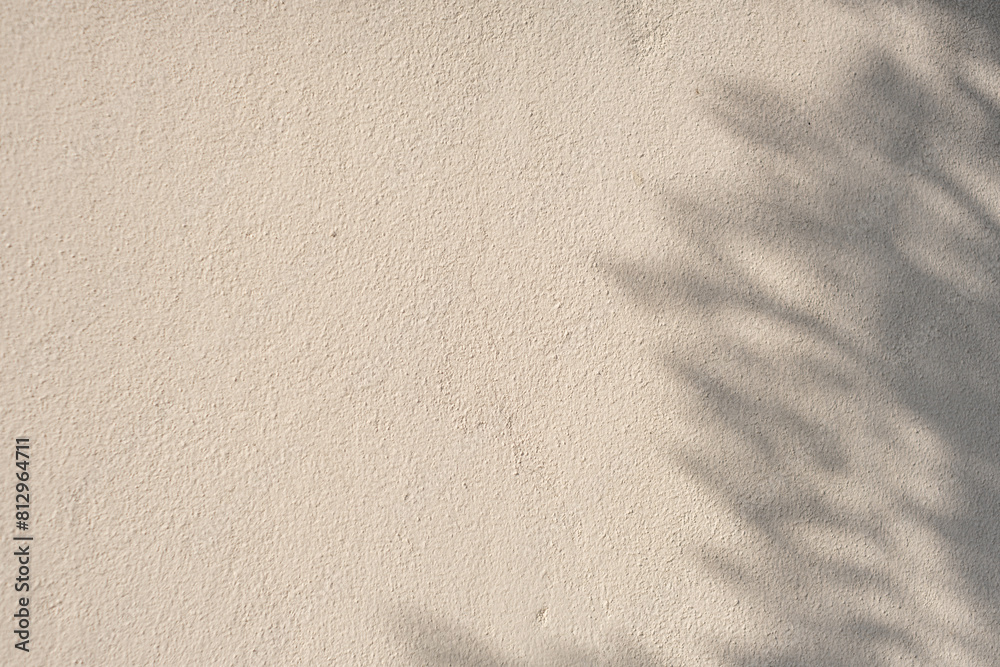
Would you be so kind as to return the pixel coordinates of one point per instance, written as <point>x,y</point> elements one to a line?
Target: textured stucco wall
<point>496,333</point>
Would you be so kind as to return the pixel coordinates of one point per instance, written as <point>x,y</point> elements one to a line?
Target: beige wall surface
<point>616,332</point>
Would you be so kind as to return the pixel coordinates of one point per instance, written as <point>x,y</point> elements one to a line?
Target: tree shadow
<point>836,321</point>
<point>431,642</point>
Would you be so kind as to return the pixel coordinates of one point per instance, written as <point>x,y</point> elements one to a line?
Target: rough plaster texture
<point>486,333</point>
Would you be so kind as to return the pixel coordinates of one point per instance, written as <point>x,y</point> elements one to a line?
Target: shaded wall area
<point>836,316</point>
